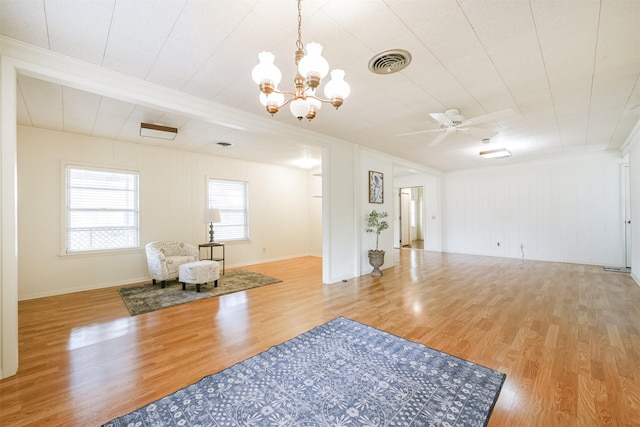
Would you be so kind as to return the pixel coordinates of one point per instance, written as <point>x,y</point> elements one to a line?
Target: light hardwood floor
<point>566,335</point>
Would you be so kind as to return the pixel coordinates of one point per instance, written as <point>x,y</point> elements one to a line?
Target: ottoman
<point>199,272</point>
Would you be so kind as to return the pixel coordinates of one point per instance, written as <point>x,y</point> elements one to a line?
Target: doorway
<point>411,218</point>
<point>626,197</point>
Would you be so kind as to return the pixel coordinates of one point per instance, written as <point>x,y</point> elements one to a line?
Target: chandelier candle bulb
<point>272,102</point>
<point>314,103</point>
<point>299,108</point>
<point>266,74</point>
<point>313,67</point>
<point>337,90</point>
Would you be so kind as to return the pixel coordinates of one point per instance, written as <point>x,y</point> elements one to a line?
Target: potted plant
<point>376,223</point>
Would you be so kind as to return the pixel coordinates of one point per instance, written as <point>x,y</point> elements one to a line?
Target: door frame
<point>405,217</point>
<point>626,213</point>
<point>419,206</point>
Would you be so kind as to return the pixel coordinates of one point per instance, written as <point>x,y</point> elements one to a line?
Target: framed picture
<point>376,189</point>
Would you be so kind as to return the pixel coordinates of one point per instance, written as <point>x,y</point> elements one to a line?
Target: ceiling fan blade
<point>491,117</point>
<point>441,118</point>
<point>438,139</point>
<point>419,131</point>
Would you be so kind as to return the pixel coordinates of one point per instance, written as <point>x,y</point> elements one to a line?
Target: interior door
<point>405,217</point>
<point>627,215</point>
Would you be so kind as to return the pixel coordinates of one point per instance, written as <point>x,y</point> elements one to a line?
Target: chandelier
<point>311,69</point>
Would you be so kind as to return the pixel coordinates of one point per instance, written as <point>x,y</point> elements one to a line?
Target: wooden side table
<point>212,246</point>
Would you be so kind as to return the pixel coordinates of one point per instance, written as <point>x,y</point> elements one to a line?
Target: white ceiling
<point>570,69</point>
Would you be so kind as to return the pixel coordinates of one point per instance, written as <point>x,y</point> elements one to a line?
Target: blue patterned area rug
<point>342,373</point>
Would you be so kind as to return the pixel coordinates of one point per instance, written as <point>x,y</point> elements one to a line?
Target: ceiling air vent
<point>390,61</point>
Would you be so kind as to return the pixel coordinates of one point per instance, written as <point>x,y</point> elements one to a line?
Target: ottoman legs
<point>184,286</point>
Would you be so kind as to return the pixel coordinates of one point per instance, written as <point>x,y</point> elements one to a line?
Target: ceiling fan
<point>451,122</point>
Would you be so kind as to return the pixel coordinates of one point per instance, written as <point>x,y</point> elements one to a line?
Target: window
<point>231,197</point>
<point>102,209</point>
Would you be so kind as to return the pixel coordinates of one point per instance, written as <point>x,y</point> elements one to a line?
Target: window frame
<point>64,219</point>
<point>225,211</point>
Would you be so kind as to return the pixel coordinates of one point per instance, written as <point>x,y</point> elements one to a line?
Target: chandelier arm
<point>328,101</point>
<point>288,101</point>
<point>286,92</point>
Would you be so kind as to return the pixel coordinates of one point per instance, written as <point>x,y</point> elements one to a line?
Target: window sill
<point>106,252</point>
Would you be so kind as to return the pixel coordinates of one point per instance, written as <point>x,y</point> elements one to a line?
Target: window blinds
<point>101,210</point>
<point>231,197</point>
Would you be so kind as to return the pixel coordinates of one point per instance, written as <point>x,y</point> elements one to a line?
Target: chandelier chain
<point>299,44</point>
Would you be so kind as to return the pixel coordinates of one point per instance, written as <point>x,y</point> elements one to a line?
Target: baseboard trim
<point>135,280</point>
<point>81,289</point>
<point>635,277</point>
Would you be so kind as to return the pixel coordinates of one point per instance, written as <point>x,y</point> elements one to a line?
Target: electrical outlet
<point>264,250</point>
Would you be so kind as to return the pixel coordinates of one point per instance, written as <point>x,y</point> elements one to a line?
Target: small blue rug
<point>342,373</point>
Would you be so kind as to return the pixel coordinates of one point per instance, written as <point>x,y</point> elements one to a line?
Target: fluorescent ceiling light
<point>158,131</point>
<point>306,163</point>
<point>492,154</point>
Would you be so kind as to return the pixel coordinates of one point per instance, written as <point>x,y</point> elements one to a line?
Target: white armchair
<point>164,259</point>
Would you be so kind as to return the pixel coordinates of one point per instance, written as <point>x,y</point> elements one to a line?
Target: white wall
<point>371,161</point>
<point>566,210</point>
<point>8,221</point>
<point>315,212</point>
<point>339,228</point>
<point>172,199</point>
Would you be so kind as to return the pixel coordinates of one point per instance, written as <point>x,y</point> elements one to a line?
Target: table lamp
<point>211,215</point>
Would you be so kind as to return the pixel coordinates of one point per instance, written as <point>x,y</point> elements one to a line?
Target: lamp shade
<point>313,102</point>
<point>211,215</point>
<point>337,87</point>
<point>313,63</point>
<point>299,108</point>
<point>266,70</point>
<point>274,99</point>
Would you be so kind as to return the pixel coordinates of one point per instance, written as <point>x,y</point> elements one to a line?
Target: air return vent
<point>390,61</point>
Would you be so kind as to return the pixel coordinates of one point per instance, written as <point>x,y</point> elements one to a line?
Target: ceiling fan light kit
<point>311,69</point>
<point>158,131</point>
<point>495,154</point>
